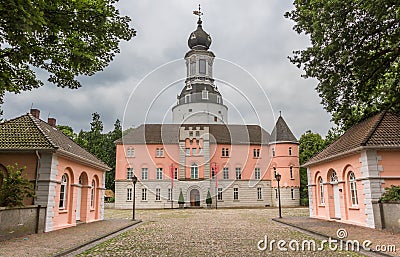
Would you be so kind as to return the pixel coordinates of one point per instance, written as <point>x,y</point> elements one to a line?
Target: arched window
<point>92,194</point>
<point>334,177</point>
<point>353,189</point>
<point>194,171</point>
<point>63,192</point>
<point>274,172</point>
<point>291,172</point>
<point>290,151</point>
<point>321,191</point>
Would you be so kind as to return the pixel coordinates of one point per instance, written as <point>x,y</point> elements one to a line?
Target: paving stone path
<point>205,232</point>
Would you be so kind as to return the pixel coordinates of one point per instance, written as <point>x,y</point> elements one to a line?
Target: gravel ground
<point>204,232</point>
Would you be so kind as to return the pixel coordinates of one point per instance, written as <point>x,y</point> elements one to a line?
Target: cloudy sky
<point>251,41</point>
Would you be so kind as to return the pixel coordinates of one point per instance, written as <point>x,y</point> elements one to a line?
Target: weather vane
<point>198,13</point>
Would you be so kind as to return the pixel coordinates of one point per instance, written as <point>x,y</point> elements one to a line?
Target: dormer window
<point>202,66</point>
<point>204,94</point>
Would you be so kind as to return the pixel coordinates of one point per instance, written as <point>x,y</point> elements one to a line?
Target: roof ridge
<point>368,137</point>
<point>36,122</point>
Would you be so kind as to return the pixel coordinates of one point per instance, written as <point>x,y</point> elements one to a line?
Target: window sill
<point>92,210</point>
<point>291,178</point>
<point>160,157</point>
<point>60,211</point>
<point>354,208</point>
<point>260,200</point>
<point>144,201</point>
<point>321,205</point>
<point>129,201</point>
<point>224,156</point>
<point>236,200</point>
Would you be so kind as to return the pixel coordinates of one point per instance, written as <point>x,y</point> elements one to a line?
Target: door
<point>194,197</point>
<point>336,198</point>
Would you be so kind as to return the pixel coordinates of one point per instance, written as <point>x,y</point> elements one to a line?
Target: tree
<point>354,55</point>
<point>67,130</point>
<point>65,38</point>
<point>15,187</point>
<point>309,145</point>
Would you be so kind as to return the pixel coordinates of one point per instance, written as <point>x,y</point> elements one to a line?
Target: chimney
<point>35,113</point>
<point>51,122</point>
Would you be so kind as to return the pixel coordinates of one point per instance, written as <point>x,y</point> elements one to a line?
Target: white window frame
<point>92,194</point>
<point>144,194</point>
<point>129,173</point>
<point>159,173</point>
<point>169,194</point>
<point>259,193</point>
<point>188,98</point>
<point>204,94</point>
<point>145,173</point>
<point>194,171</point>
<point>321,191</point>
<point>203,64</point>
<point>158,194</point>
<point>292,193</point>
<point>129,193</point>
<point>353,189</point>
<point>226,172</point>
<point>235,193</point>
<point>238,173</point>
<point>219,195</point>
<point>257,173</point>
<point>63,192</point>
<point>256,153</point>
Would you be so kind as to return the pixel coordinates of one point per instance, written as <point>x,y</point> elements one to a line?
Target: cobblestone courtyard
<point>204,232</point>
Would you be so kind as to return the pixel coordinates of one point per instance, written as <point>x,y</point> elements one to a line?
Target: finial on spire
<point>280,113</point>
<point>198,13</point>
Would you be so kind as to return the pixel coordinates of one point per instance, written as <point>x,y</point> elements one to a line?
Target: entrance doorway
<point>194,197</point>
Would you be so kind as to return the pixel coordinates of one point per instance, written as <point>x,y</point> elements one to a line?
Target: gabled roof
<point>379,131</point>
<point>282,133</point>
<point>169,134</point>
<point>27,133</point>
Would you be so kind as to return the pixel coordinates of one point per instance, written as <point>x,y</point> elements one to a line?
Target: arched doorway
<point>336,196</point>
<point>194,197</point>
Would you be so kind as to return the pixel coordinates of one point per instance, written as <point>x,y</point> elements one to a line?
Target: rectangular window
<point>276,193</point>
<point>218,99</point>
<point>197,133</point>
<point>225,152</point>
<point>144,194</point>
<point>273,151</point>
<point>256,153</point>
<point>194,151</point>
<point>187,151</point>
<point>129,194</point>
<point>169,194</point>
<point>192,68</point>
<point>129,173</point>
<point>190,135</point>
<point>159,174</point>
<point>202,66</point>
<point>219,194</point>
<point>204,94</point>
<point>226,172</point>
<point>236,193</point>
<point>259,193</point>
<point>292,193</point>
<point>291,172</point>
<point>257,174</point>
<point>194,172</point>
<point>159,152</point>
<point>187,98</point>
<point>130,152</point>
<point>238,173</point>
<point>145,174</point>
<point>176,173</point>
<point>274,172</point>
<point>290,151</point>
<point>158,194</point>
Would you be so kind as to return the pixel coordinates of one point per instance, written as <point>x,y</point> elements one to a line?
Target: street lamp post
<point>134,180</point>
<point>278,178</point>
<point>172,169</point>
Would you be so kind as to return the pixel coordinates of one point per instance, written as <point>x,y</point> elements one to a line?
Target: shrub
<point>391,194</point>
<point>208,199</point>
<point>181,200</point>
<point>14,187</point>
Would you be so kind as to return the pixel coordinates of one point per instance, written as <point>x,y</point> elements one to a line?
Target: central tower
<point>199,101</point>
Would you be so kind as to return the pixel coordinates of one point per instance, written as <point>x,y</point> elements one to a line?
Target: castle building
<point>201,154</point>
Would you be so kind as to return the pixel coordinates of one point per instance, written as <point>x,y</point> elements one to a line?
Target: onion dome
<point>199,39</point>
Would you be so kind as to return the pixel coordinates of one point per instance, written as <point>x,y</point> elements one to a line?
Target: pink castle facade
<point>201,153</point>
<point>351,174</point>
